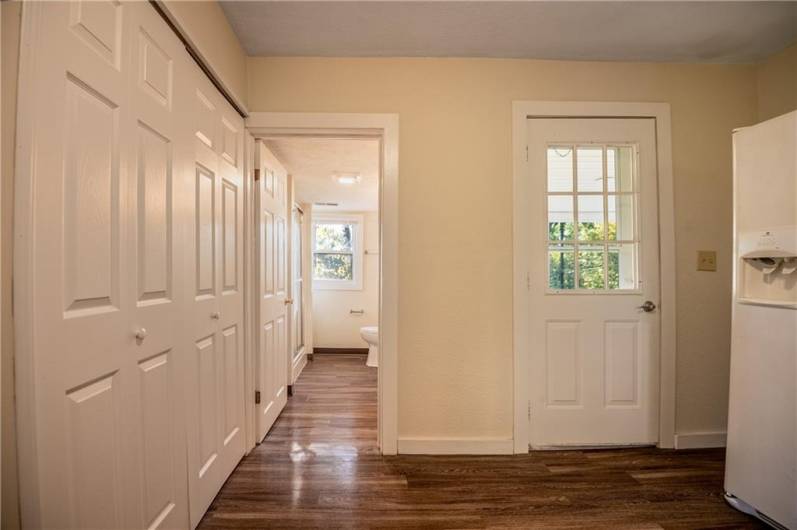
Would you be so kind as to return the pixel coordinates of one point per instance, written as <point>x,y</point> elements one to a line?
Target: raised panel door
<point>272,350</point>
<point>594,205</point>
<point>214,270</point>
<point>107,411</point>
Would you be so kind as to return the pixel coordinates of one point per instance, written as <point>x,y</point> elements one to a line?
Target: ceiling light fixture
<point>347,179</point>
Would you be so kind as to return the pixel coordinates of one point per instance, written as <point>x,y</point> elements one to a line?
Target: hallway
<point>319,467</point>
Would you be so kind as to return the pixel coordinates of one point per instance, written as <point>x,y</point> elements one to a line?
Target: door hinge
<point>529,413</point>
<point>257,397</point>
<point>528,281</point>
<point>257,174</point>
<point>527,153</point>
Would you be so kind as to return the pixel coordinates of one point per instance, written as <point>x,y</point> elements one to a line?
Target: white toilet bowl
<point>370,334</point>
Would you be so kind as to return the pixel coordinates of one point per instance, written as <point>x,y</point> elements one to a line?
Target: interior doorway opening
<point>341,238</point>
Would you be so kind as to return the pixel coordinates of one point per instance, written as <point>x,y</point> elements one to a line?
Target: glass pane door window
<point>592,200</point>
<point>337,253</point>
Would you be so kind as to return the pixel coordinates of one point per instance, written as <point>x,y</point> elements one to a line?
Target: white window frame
<point>357,243</point>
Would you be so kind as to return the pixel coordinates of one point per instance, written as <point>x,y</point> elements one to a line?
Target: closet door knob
<point>141,334</point>
<point>215,315</point>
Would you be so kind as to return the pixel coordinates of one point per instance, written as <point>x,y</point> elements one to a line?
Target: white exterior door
<point>103,330</point>
<point>271,192</point>
<point>214,272</point>
<point>594,265</point>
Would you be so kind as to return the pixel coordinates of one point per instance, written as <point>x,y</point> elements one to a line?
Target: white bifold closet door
<point>271,192</point>
<point>133,245</point>
<point>109,107</point>
<point>214,272</point>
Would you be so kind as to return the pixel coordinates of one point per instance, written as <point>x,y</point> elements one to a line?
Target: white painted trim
<point>700,440</point>
<point>385,127</point>
<point>24,184</point>
<point>521,111</point>
<point>291,274</point>
<point>455,446</point>
<point>250,294</point>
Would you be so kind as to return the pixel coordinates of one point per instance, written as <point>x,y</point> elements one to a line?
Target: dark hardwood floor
<point>319,468</point>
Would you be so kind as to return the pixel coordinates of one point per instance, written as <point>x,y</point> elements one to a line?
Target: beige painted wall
<point>455,314</point>
<point>210,32</point>
<point>333,325</point>
<point>10,13</point>
<point>777,84</point>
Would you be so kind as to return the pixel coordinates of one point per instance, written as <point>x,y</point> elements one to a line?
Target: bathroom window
<point>337,252</point>
<point>592,236</point>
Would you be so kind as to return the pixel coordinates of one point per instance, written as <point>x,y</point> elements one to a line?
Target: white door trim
<point>250,295</point>
<point>385,127</point>
<point>660,112</point>
<point>27,451</point>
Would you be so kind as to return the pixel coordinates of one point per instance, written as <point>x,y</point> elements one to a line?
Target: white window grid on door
<point>575,244</point>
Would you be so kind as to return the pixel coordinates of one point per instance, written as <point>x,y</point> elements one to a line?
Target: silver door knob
<point>647,307</point>
<point>215,315</point>
<point>141,333</point>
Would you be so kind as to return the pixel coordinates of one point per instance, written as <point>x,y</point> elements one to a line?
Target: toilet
<point>370,334</point>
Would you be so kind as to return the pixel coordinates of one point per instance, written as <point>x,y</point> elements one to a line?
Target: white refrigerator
<point>761,467</point>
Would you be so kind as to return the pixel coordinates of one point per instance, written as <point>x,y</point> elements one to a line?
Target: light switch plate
<point>707,260</point>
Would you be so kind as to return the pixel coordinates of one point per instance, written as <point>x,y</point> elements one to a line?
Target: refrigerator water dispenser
<point>768,267</point>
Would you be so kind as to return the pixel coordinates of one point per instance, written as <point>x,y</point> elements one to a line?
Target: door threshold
<point>586,447</point>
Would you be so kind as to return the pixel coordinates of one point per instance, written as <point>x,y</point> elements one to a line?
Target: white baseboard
<point>455,446</point>
<point>700,440</point>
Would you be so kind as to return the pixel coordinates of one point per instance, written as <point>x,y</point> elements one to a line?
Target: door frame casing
<point>250,295</point>
<point>385,127</point>
<point>522,111</point>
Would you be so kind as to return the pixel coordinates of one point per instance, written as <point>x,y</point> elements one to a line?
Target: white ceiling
<point>313,162</point>
<point>714,31</point>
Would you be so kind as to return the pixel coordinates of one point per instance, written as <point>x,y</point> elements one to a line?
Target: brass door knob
<point>647,307</point>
